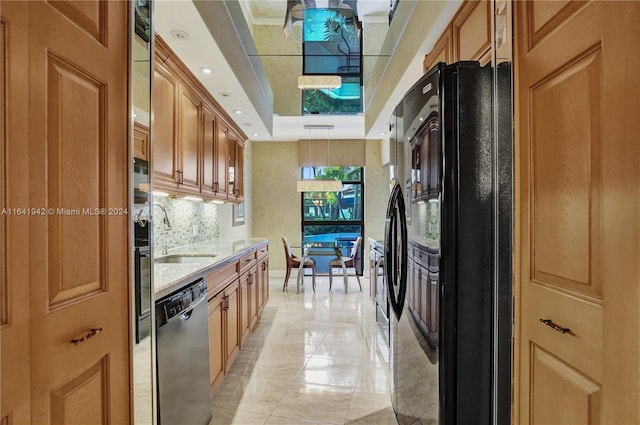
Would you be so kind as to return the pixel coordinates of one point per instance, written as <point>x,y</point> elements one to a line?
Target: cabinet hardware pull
<point>215,186</point>
<point>225,302</point>
<point>93,332</point>
<point>555,327</point>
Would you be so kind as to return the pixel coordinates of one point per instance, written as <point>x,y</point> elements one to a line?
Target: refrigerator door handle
<point>395,250</point>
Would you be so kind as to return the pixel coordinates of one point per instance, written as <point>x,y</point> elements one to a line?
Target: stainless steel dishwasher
<point>183,357</point>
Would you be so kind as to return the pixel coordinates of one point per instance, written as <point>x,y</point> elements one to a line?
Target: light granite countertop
<point>169,277</point>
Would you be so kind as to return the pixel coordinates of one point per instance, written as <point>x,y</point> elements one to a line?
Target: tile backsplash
<point>190,222</point>
<point>427,219</point>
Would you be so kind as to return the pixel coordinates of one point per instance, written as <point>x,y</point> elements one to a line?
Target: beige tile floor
<point>314,358</point>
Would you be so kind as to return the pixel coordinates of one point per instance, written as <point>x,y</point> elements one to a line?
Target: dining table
<point>321,248</point>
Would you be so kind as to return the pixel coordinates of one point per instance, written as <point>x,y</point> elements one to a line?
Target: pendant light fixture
<point>318,185</point>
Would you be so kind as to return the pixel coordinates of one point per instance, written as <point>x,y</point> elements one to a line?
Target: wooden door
<point>15,343</point>
<point>216,341</point>
<point>189,140</point>
<point>79,254</point>
<point>164,106</point>
<point>222,146</point>
<point>578,203</point>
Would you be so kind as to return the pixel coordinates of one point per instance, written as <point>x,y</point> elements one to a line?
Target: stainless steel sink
<point>184,258</point>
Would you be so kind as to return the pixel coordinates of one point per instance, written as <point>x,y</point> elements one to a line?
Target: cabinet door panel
<point>216,341</point>
<point>472,30</point>
<point>78,158</point>
<point>578,189</point>
<point>442,51</point>
<point>265,283</point>
<point>208,152</point>
<point>239,169</point>
<point>425,295</point>
<point>246,289</point>
<point>434,307</point>
<point>221,158</point>
<point>232,324</point>
<point>189,123</point>
<point>163,126</point>
<point>140,141</point>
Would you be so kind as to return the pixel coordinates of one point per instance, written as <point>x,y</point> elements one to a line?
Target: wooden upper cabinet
<point>231,163</point>
<point>471,32</point>
<point>239,169</point>
<point>222,158</point>
<point>194,148</point>
<point>442,51</point>
<point>188,173</point>
<point>140,141</point>
<point>209,178</point>
<point>235,164</point>
<point>164,105</point>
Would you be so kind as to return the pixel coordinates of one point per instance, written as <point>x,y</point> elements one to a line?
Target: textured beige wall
<point>282,61</point>
<point>276,204</point>
<point>376,192</point>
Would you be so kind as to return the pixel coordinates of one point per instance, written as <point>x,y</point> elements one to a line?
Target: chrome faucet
<point>165,220</point>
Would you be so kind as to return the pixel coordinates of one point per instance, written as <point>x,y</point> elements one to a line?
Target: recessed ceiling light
<point>255,134</point>
<point>382,133</point>
<point>237,111</point>
<point>224,94</point>
<point>180,34</point>
<point>206,70</point>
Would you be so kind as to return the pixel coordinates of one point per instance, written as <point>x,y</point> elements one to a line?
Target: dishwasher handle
<point>187,313</point>
<point>180,304</point>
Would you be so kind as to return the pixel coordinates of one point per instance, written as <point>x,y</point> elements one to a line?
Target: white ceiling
<point>201,50</point>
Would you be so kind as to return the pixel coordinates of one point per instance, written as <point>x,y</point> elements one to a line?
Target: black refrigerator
<point>447,251</point>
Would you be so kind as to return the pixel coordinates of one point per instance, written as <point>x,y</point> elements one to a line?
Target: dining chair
<point>295,262</point>
<point>349,262</point>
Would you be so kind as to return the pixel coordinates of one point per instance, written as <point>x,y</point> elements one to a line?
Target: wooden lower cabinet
<point>423,283</point>
<point>263,279</point>
<point>224,332</point>
<point>216,341</point>
<point>245,305</point>
<point>254,304</point>
<point>238,292</point>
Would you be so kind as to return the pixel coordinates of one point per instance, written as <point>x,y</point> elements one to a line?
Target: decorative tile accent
<point>187,218</point>
<point>427,220</point>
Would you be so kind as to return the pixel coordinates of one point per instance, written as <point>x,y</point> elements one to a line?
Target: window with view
<point>334,216</point>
